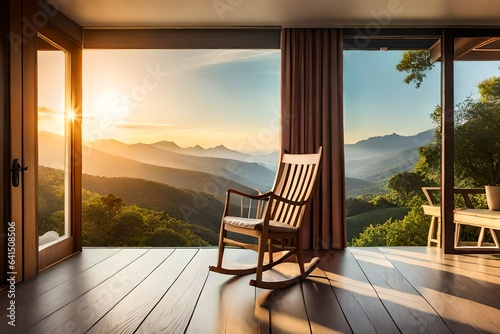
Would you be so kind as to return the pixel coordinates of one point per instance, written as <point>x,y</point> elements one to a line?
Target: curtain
<point>312,116</point>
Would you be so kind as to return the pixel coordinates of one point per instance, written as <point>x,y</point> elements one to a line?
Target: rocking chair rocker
<point>273,218</point>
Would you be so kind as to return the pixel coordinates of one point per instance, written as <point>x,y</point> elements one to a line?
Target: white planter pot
<point>493,197</point>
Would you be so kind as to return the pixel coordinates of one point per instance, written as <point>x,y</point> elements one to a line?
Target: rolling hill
<point>103,164</point>
<point>248,173</point>
<point>192,207</point>
<point>369,163</point>
<point>381,168</point>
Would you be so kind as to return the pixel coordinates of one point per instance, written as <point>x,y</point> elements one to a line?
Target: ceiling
<point>286,13</point>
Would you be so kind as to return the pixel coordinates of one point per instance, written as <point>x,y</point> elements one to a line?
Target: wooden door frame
<point>27,19</point>
<point>447,135</point>
<point>73,243</point>
<point>4,141</point>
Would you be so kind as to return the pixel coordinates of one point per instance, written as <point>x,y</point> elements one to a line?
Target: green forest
<point>110,221</point>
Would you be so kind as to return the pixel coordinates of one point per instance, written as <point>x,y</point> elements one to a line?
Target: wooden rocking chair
<point>273,219</point>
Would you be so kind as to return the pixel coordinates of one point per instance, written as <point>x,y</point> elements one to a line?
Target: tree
<point>477,135</point>
<point>477,139</point>
<point>406,185</point>
<point>357,205</point>
<point>128,228</point>
<point>112,204</point>
<point>415,62</point>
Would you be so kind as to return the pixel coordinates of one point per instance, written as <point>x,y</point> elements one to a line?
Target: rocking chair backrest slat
<point>294,184</point>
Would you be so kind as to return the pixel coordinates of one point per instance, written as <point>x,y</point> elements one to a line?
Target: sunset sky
<point>205,97</point>
<point>231,97</point>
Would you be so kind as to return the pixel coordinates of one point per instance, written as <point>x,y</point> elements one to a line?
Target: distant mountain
<point>95,162</point>
<point>269,160</point>
<point>369,163</point>
<point>168,146</point>
<point>381,145</point>
<point>377,159</point>
<point>381,168</point>
<point>247,173</point>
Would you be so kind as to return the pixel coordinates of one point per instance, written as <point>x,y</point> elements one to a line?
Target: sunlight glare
<point>71,115</point>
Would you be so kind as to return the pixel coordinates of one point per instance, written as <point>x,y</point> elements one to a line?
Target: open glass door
<point>55,131</point>
<point>54,125</point>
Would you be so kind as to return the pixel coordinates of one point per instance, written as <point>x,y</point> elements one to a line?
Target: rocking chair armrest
<point>257,197</point>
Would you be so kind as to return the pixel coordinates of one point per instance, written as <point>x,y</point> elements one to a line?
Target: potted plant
<point>493,197</point>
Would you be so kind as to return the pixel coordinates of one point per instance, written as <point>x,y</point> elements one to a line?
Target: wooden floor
<point>358,290</point>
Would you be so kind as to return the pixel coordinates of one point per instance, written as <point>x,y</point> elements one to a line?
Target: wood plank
<point>464,304</point>
<point>245,314</point>
<point>211,311</point>
<point>173,311</point>
<point>484,262</point>
<point>456,264</point>
<point>287,310</point>
<point>129,312</point>
<point>410,312</point>
<point>226,304</point>
<point>261,313</point>
<point>268,303</point>
<point>82,313</point>
<point>58,274</point>
<point>44,305</point>
<point>323,308</point>
<point>357,298</point>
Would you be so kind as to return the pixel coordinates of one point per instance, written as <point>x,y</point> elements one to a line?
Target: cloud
<point>214,57</point>
<point>48,114</point>
<point>146,126</point>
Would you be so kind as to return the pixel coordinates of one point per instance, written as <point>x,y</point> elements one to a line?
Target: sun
<point>71,115</point>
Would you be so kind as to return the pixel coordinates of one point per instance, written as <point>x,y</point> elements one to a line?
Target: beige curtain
<point>312,116</point>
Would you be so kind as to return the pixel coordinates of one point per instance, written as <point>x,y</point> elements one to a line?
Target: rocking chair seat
<point>256,224</point>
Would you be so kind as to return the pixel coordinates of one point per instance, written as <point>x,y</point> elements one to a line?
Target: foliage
<point>107,221</point>
<point>51,202</point>
<point>356,224</point>
<point>489,89</point>
<point>358,205</point>
<point>406,185</point>
<point>412,230</point>
<point>133,226</point>
<point>382,202</point>
<point>192,207</point>
<point>477,140</point>
<point>415,63</point>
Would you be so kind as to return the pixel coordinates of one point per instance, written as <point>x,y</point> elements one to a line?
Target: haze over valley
<point>369,163</point>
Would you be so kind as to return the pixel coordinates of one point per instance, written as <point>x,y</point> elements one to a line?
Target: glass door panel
<point>54,121</point>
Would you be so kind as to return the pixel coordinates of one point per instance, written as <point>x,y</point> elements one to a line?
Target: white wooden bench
<point>481,218</point>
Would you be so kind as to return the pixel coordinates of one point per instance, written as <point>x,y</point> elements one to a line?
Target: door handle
<point>16,168</point>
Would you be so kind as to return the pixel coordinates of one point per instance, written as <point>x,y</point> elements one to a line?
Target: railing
<point>468,215</point>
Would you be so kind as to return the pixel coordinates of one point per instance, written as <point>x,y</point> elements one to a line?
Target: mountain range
<point>369,163</point>
<point>121,163</point>
<point>382,145</point>
<point>376,159</point>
